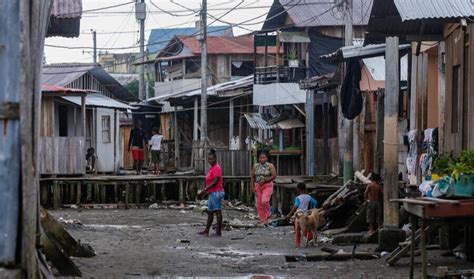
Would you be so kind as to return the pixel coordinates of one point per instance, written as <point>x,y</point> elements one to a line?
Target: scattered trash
<point>237,238</point>
<point>154,206</point>
<point>251,216</point>
<point>384,254</point>
<point>324,239</point>
<point>74,206</point>
<point>70,221</point>
<point>182,241</point>
<point>183,211</point>
<point>407,229</point>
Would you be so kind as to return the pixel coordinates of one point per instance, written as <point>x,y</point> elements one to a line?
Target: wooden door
<point>127,158</point>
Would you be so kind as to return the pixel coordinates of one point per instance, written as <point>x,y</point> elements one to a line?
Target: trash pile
<point>345,210</point>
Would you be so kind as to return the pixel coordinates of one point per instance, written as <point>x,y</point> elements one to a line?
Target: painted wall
<point>278,94</point>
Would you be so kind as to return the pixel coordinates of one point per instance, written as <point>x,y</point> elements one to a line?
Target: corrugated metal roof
<point>64,74</point>
<point>59,89</point>
<point>257,121</point>
<point>67,8</point>
<point>385,21</point>
<point>430,9</point>
<point>211,90</point>
<point>313,13</point>
<point>294,37</point>
<point>98,100</point>
<point>159,37</point>
<point>359,51</point>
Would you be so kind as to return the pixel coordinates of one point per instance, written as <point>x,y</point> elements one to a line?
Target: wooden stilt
<point>413,244</point>
<point>242,191</point>
<point>103,191</point>
<point>163,191</point>
<point>181,192</point>
<point>78,193</point>
<point>44,194</point>
<point>127,193</point>
<point>116,193</point>
<point>424,264</point>
<point>56,195</point>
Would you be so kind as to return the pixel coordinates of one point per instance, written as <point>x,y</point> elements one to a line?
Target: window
<point>106,129</point>
<point>456,93</point>
<point>241,68</point>
<point>63,120</point>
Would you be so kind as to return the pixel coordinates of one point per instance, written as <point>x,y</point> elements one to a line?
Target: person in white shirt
<point>155,146</point>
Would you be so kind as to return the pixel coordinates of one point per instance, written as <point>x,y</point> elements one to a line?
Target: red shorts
<point>138,154</point>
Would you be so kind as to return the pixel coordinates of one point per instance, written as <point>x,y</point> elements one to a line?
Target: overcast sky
<point>122,19</point>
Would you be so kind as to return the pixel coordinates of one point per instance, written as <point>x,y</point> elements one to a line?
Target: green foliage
<point>133,87</point>
<point>441,163</point>
<point>456,167</point>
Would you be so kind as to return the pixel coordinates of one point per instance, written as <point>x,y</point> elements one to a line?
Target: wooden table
<point>427,209</point>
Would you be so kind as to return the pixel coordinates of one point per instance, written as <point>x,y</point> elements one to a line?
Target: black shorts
<point>155,156</point>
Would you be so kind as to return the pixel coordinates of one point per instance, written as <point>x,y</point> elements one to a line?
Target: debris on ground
<point>238,224</point>
<point>186,241</point>
<point>329,254</point>
<point>70,221</point>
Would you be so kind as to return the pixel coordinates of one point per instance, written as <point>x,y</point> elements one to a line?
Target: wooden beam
<point>379,133</point>
<point>176,137</point>
<point>392,85</point>
<point>309,133</point>
<point>231,121</point>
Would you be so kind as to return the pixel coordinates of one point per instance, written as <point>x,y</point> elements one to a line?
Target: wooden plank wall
<point>47,116</point>
<point>332,156</point>
<point>454,57</point>
<point>239,159</point>
<point>470,89</point>
<point>62,155</point>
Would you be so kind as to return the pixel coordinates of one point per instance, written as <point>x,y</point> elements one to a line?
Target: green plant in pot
<point>292,57</point>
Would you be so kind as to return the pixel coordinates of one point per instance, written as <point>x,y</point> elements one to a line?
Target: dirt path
<point>143,242</point>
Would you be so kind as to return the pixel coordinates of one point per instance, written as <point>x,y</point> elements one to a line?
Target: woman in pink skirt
<point>261,181</point>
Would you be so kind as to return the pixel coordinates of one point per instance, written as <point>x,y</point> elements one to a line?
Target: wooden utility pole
<point>140,12</point>
<point>348,124</point>
<point>94,39</point>
<point>392,91</point>
<point>203,38</point>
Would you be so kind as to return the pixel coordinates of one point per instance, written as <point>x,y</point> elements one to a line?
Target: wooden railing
<point>62,155</point>
<point>279,74</point>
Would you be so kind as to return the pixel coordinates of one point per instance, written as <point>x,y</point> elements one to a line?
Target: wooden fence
<point>62,156</point>
<point>234,162</point>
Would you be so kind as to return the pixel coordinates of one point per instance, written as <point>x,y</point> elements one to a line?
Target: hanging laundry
<point>412,157</point>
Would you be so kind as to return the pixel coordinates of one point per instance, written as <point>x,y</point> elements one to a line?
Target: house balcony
<point>176,86</point>
<point>280,74</point>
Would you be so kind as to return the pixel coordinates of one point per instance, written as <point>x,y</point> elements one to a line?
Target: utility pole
<point>140,12</point>
<point>348,124</point>
<point>203,38</point>
<point>94,38</point>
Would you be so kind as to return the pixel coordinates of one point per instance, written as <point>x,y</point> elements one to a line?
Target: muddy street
<point>163,242</point>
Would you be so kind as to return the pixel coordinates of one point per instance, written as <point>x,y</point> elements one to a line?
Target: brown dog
<point>309,224</point>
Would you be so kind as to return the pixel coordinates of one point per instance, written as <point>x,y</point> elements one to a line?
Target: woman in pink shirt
<point>215,190</point>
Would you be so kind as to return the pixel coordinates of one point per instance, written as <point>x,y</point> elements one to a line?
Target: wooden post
<point>413,244</point>
<point>79,193</point>
<point>127,193</point>
<point>378,160</point>
<point>56,195</point>
<point>196,121</point>
<point>181,192</point>
<point>231,121</point>
<point>309,133</point>
<point>326,159</point>
<point>424,264</point>
<point>176,137</point>
<point>442,101</point>
<point>392,85</point>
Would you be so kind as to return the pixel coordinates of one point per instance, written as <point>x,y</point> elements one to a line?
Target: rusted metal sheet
<point>9,131</point>
<point>432,209</point>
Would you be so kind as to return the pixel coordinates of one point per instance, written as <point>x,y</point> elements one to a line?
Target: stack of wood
<point>346,207</point>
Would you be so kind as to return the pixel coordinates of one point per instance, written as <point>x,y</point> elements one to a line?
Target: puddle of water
<point>119,227</point>
<point>236,254</point>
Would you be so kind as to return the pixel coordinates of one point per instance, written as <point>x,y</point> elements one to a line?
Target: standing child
<point>373,197</point>
<point>155,147</point>
<point>303,202</point>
